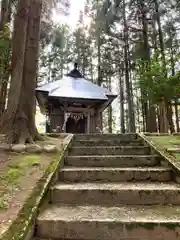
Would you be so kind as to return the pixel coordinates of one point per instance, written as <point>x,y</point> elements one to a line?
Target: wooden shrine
<point>73,104</point>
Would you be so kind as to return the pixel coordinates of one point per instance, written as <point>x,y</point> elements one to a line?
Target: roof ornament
<point>75,65</point>
<point>75,72</point>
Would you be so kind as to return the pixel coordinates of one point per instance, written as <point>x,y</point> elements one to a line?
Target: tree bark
<point>152,124</point>
<point>163,124</point>
<point>18,50</point>
<point>131,119</point>
<point>176,109</point>
<point>99,80</point>
<point>150,114</point>
<point>19,120</point>
<point>177,116</point>
<point>27,98</point>
<point>163,58</point>
<point>121,86</point>
<point>170,117</point>
<point>110,117</point>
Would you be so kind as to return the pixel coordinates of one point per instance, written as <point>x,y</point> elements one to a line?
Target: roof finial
<point>75,72</point>
<point>75,65</point>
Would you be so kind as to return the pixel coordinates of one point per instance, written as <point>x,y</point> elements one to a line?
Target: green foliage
<point>5,41</point>
<point>3,203</point>
<point>59,33</point>
<point>154,82</point>
<point>5,54</point>
<point>55,55</point>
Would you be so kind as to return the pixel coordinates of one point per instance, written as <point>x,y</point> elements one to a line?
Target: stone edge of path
<point>161,134</point>
<point>22,227</point>
<point>29,148</point>
<point>167,158</point>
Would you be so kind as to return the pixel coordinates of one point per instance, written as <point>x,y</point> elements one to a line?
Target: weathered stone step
<point>95,137</point>
<point>110,150</point>
<point>109,174</point>
<point>116,223</point>
<point>116,193</point>
<point>113,161</point>
<point>108,142</point>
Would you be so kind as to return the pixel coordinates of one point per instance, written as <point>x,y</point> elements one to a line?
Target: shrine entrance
<point>76,124</point>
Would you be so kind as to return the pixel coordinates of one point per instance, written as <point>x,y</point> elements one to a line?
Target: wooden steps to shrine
<point>109,189</point>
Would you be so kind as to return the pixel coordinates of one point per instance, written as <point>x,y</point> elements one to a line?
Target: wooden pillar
<point>88,122</point>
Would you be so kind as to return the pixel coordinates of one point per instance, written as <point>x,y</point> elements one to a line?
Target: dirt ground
<point>19,174</point>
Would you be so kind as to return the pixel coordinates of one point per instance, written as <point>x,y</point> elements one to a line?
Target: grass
<point>165,142</point>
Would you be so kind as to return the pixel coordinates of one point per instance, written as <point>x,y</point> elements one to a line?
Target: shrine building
<point>73,104</point>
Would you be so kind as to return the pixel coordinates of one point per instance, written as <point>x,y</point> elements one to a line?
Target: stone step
<point>95,137</point>
<point>116,193</point>
<point>107,142</point>
<point>113,161</point>
<point>110,150</point>
<point>109,174</point>
<point>109,223</point>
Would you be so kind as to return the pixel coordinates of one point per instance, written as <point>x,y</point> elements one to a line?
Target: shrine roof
<point>70,87</point>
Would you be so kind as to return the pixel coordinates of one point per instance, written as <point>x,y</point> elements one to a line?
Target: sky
<point>71,20</point>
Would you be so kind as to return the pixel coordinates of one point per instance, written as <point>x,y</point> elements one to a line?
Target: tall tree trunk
<point>163,125</point>
<point>99,80</point>
<point>21,105</point>
<point>152,124</point>
<point>164,117</point>
<point>18,50</point>
<point>177,116</point>
<point>121,92</point>
<point>131,119</point>
<point>99,77</point>
<point>27,99</point>
<point>110,117</point>
<point>150,117</point>
<point>176,108</point>
<point>170,116</point>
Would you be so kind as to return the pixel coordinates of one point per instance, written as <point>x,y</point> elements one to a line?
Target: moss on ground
<point>151,225</point>
<point>18,167</point>
<point>19,170</point>
<point>26,216</point>
<point>164,142</point>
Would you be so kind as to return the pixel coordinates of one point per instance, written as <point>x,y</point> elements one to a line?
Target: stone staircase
<point>112,187</point>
